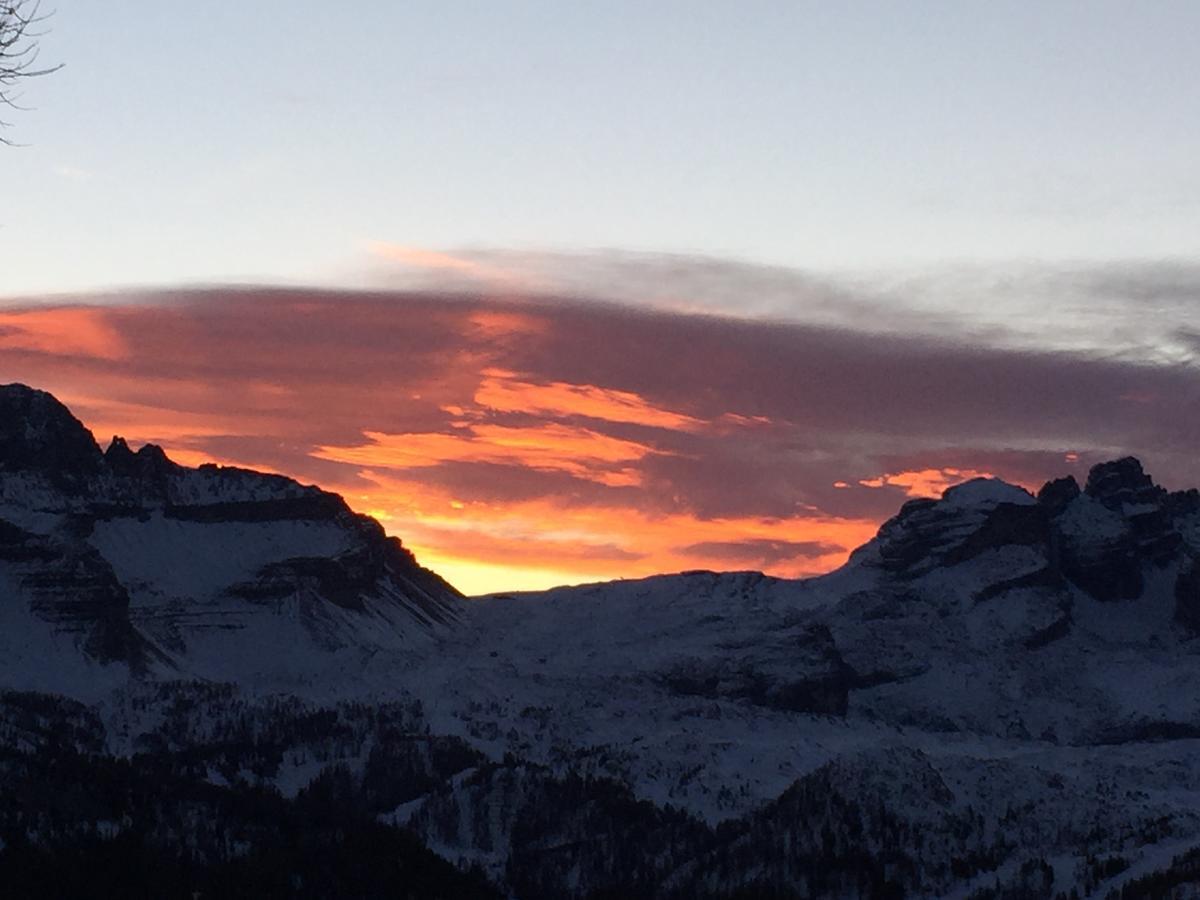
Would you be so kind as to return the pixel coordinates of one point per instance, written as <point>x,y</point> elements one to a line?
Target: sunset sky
<point>563,292</point>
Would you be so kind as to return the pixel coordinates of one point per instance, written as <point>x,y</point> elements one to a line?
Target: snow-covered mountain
<point>995,670</point>
<point>117,563</point>
<point>997,696</point>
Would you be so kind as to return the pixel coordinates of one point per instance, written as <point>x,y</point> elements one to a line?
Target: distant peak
<point>986,492</point>
<point>29,400</point>
<point>16,389</point>
<point>38,433</point>
<point>149,459</point>
<point>153,453</point>
<point>1057,495</point>
<point>1121,481</point>
<point>154,460</point>
<point>118,449</point>
<point>1127,468</point>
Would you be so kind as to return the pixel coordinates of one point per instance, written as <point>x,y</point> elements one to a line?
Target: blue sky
<point>279,141</point>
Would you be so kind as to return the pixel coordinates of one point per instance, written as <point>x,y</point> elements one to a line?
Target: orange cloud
<point>924,482</point>
<point>492,324</point>
<point>502,392</point>
<point>62,331</point>
<point>580,452</point>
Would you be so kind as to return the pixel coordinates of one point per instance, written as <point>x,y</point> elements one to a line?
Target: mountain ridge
<point>171,553</point>
<point>993,698</point>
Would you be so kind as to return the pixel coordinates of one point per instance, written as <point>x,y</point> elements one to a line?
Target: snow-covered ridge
<point>218,572</point>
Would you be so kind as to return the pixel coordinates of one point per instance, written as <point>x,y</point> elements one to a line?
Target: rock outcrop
<point>71,587</point>
<point>970,519</point>
<point>1102,538</point>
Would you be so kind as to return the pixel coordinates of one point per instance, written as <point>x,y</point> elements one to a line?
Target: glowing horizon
<point>517,444</point>
<point>439,522</point>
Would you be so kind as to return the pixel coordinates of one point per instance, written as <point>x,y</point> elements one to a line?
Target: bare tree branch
<point>19,23</point>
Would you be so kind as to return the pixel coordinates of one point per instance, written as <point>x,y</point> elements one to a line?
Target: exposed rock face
<point>1106,537</point>
<point>351,578</point>
<point>73,588</point>
<point>972,518</point>
<point>1122,482</point>
<point>1057,495</point>
<point>1124,488</point>
<point>129,552</point>
<point>1102,538</point>
<point>1097,550</point>
<point>144,476</point>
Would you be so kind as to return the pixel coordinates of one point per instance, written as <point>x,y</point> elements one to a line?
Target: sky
<point>563,292</point>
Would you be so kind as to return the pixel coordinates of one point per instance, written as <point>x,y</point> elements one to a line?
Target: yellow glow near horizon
<point>476,578</point>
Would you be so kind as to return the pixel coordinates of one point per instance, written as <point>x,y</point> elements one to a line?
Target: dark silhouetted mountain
<point>37,433</point>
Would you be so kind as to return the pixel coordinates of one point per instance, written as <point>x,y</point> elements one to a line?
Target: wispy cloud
<point>1128,308</point>
<point>442,266</point>
<point>550,446</point>
<point>502,391</point>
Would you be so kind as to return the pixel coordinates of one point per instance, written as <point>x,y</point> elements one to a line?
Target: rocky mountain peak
<point>148,463</point>
<point>1105,538</point>
<point>1144,508</point>
<point>1122,482</point>
<point>1056,495</point>
<point>969,519</point>
<point>38,433</point>
<point>118,454</point>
